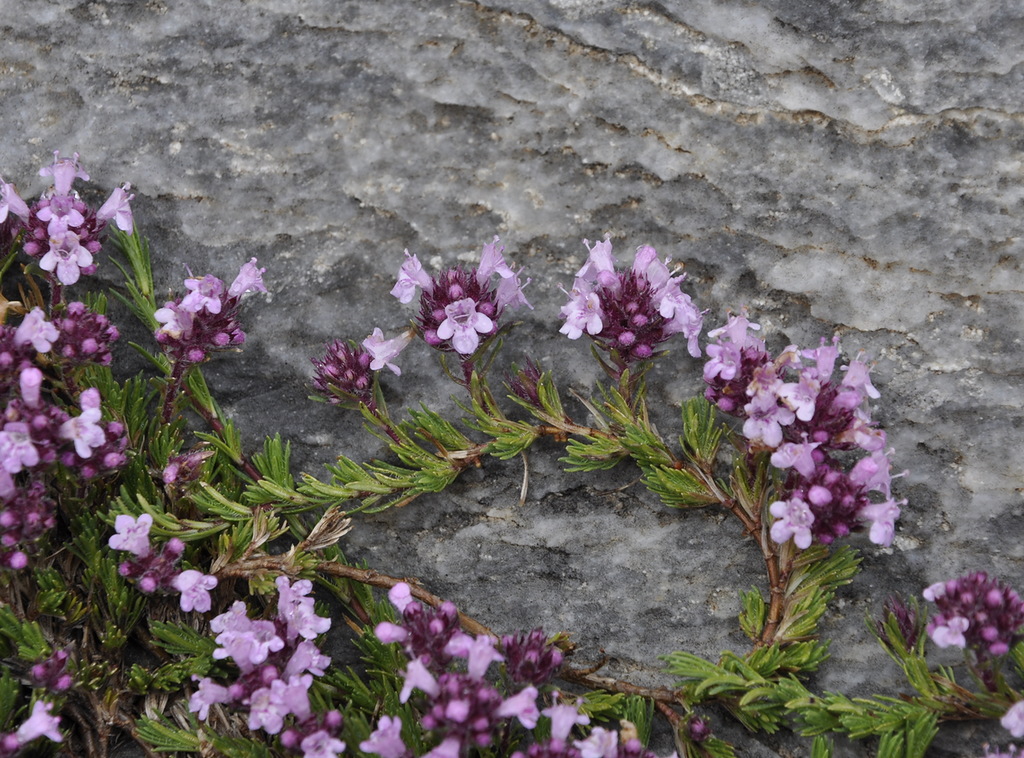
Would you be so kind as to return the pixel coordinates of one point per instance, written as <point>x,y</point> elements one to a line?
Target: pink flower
<point>11,202</point>
<point>582,312</point>
<point>492,262</point>
<point>386,739</point>
<point>950,634</point>
<point>209,693</point>
<point>479,651</point>
<point>117,208</point>
<point>796,455</point>
<point>64,171</point>
<point>83,429</point>
<point>1013,719</point>
<point>410,277</point>
<point>194,587</point>
<point>417,677</point>
<point>132,535</point>
<point>793,519</point>
<point>400,596</point>
<point>40,724</point>
<point>249,279</point>
<point>384,351</point>
<point>563,719</point>
<point>66,254</point>
<point>463,325</point>
<point>320,744</point>
<point>16,449</point>
<point>35,329</point>
<point>297,610</point>
<point>602,743</point>
<point>203,293</point>
<point>522,705</point>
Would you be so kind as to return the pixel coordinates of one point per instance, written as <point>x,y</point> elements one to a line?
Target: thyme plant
<point>145,595</point>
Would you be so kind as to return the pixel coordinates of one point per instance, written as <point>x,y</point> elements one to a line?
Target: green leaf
<point>754,613</point>
<point>702,432</point>
<point>164,737</point>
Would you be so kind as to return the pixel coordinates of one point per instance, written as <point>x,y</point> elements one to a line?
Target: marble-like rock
<point>837,167</point>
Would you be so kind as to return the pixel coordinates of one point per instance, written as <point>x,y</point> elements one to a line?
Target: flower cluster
<point>977,613</point>
<point>277,660</point>
<point>60,230</point>
<point>344,375</point>
<point>460,308</point>
<point>462,707</point>
<point>206,318</point>
<point>629,313</point>
<point>794,407</point>
<point>157,570</point>
<point>39,724</point>
<point>36,432</point>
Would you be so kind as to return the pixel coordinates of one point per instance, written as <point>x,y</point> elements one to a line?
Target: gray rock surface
<point>835,166</point>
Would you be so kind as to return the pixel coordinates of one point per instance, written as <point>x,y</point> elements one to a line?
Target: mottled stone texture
<point>845,167</point>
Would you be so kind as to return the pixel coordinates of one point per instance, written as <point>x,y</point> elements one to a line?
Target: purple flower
<point>117,208</point>
<point>411,277</point>
<point>177,321</point>
<point>765,419</point>
<point>582,312</point>
<point>249,279</point>
<point>194,587</point>
<point>417,677</point>
<point>1013,719</point>
<point>629,313</point>
<point>64,171</point>
<point>386,739</point>
<point>563,719</point>
<point>450,747</point>
<point>35,329</point>
<point>132,535</point>
<point>83,429</point>
<point>978,613</point>
<point>11,202</point>
<point>343,375</point>
<point>479,652</point>
<point>321,744</point>
<point>797,455</point>
<point>601,743</point>
<point>249,647</point>
<point>400,596</point>
<point>297,610</point>
<point>383,352</point>
<point>793,519</point>
<point>16,448</point>
<point>529,658</point>
<point>522,705</point>
<point>492,262</point>
<point>209,693</point>
<point>204,293</point>
<point>463,325</point>
<point>40,724</point>
<point>951,633</point>
<point>66,254</point>
<point>883,520</point>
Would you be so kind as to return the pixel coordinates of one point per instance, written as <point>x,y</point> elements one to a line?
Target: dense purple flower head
<point>465,708</point>
<point>60,230</point>
<point>977,613</point>
<point>530,658</point>
<point>813,422</point>
<point>343,375</point>
<point>428,632</point>
<point>629,313</point>
<point>206,319</point>
<point>460,307</point>
<point>84,336</point>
